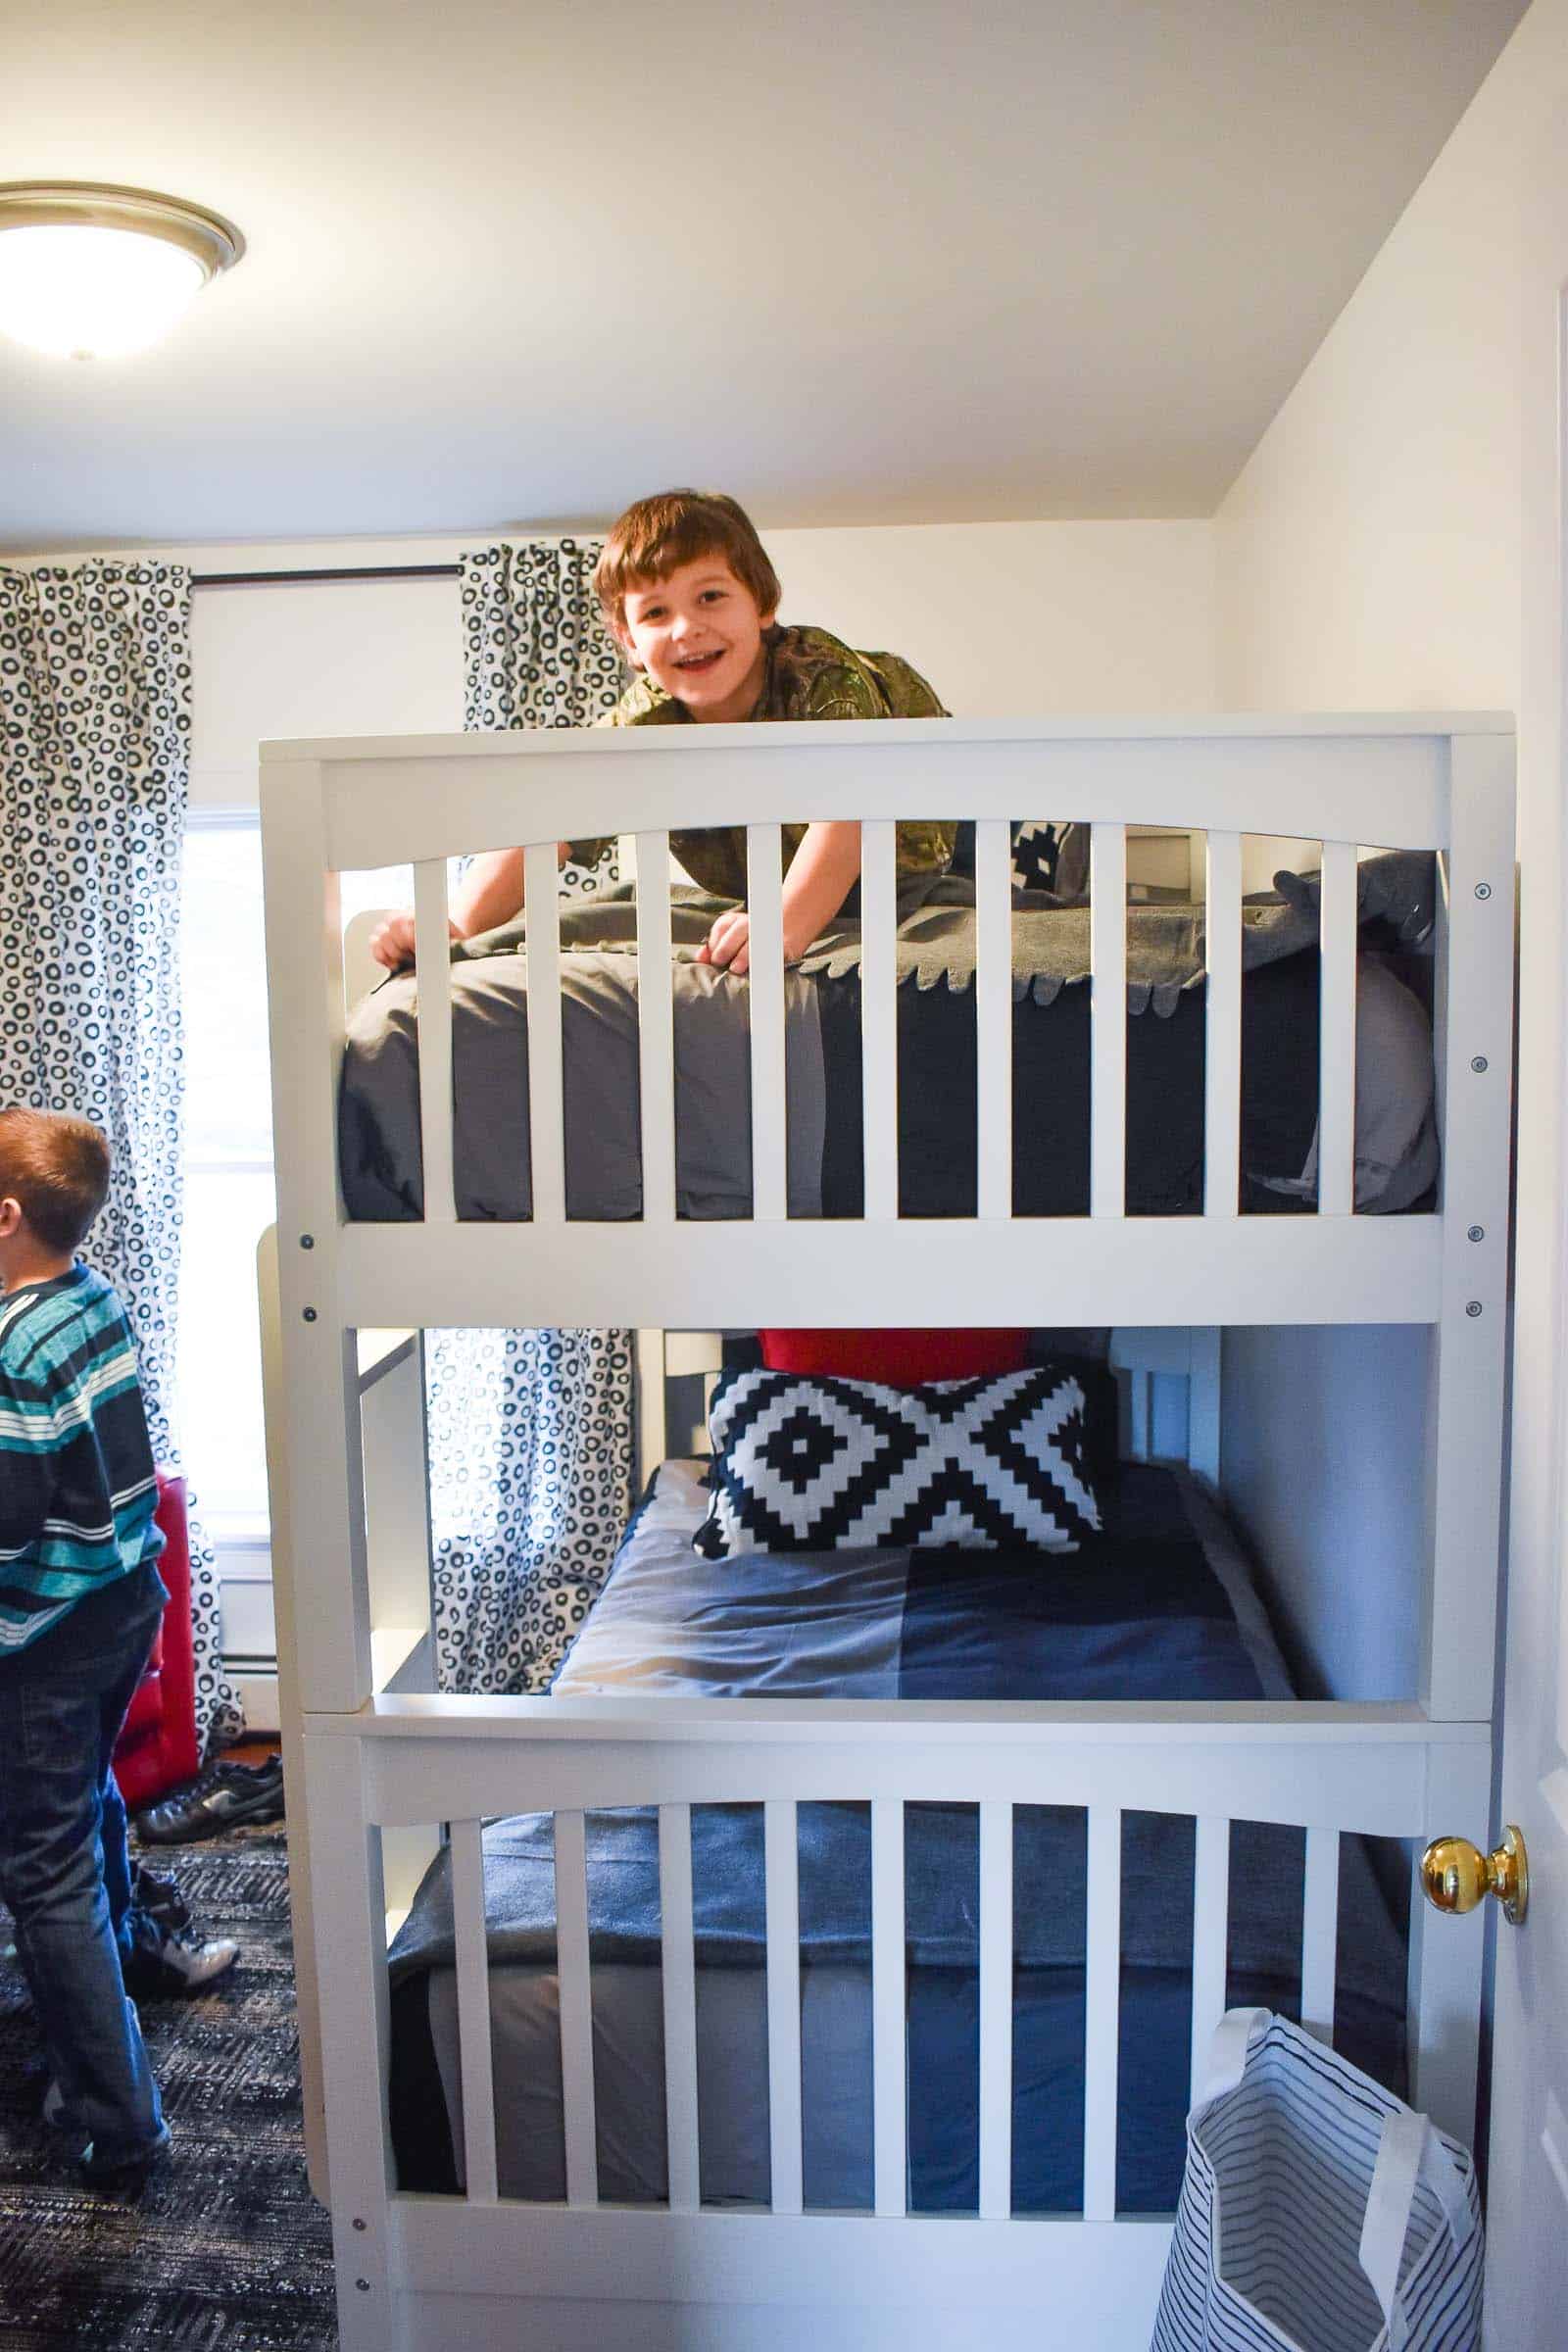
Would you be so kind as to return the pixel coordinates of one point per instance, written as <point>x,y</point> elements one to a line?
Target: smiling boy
<point>686,586</point>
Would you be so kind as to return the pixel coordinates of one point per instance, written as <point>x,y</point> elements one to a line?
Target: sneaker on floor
<point>124,2176</point>
<point>232,1793</point>
<point>167,1954</point>
<point>72,2142</point>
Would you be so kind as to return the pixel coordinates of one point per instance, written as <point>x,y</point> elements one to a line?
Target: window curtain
<point>530,1430</point>
<point>94,774</point>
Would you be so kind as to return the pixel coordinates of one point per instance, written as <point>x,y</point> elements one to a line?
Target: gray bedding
<point>380,1102</point>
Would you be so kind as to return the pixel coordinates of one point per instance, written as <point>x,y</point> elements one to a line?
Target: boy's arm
<point>492,893</point>
<point>28,1466</point>
<point>822,872</point>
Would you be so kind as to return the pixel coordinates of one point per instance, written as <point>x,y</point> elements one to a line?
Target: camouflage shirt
<point>809,675</point>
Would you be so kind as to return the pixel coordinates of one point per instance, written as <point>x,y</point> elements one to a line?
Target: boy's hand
<point>729,942</point>
<point>392,940</point>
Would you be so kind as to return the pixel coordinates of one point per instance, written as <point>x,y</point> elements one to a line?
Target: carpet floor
<point>225,2250</point>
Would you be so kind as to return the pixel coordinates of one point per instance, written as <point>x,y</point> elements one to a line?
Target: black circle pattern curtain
<point>531,1432</point>
<point>95,714</point>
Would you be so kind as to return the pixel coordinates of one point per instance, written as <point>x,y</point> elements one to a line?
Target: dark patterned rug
<point>225,2250</point>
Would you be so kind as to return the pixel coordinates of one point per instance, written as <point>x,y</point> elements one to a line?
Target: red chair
<point>157,1748</point>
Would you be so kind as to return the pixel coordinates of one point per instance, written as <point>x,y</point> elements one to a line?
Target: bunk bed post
<point>1475,1058</point>
<point>347,1887</point>
<point>325,1495</point>
<point>307,1997</point>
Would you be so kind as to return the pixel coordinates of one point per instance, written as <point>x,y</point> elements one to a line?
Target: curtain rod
<point>293,579</point>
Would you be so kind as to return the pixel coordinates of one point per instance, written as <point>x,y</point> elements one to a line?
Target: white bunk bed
<point>376,1761</point>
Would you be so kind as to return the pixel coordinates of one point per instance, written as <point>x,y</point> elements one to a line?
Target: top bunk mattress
<point>1396,1148</point>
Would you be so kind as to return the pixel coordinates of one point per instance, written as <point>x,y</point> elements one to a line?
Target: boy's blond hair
<point>657,536</point>
<point>56,1168</point>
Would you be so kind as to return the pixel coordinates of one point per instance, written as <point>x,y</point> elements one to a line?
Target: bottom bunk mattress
<point>1159,1606</point>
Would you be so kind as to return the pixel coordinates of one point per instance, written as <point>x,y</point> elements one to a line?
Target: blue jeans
<point>64,1867</point>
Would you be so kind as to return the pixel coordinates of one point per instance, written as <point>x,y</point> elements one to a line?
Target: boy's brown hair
<point>56,1168</point>
<point>658,534</point>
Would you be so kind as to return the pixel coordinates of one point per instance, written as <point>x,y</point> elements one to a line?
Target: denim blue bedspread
<point>1140,1613</point>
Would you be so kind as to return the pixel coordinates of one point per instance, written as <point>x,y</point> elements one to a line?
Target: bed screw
<point>1473,1309</point>
<point>359,2224</point>
<point>306,1241</point>
<point>1477,1232</point>
<point>1479,1063</point>
<point>1483,890</point>
<point>364,2285</point>
<point>310,1314</point>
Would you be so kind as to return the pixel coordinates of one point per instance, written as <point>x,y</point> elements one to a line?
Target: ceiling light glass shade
<point>91,272</point>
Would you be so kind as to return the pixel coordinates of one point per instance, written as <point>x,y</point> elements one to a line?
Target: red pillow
<point>899,1360</point>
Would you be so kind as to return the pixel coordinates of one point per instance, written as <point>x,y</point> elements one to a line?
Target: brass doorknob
<point>1455,1874</point>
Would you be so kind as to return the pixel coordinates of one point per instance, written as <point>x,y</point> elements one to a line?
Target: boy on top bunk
<point>687,589</point>
<point>81,1599</point>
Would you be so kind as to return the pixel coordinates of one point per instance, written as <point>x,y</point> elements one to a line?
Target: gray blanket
<point>379,1096</point>
<point>1167,947</point>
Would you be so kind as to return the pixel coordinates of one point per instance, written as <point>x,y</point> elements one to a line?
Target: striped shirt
<point>78,1490</point>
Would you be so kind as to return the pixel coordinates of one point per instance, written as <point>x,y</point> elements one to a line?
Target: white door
<point>1527,2252</point>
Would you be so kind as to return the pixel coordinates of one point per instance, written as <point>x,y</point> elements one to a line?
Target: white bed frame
<point>371,1761</point>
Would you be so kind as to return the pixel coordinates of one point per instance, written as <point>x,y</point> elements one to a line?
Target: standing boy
<point>692,599</point>
<point>80,1598</point>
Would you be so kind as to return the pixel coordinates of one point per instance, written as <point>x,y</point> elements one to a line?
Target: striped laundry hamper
<point>1317,2213</point>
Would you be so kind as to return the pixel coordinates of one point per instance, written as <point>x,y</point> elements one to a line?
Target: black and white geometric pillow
<point>1035,848</point>
<point>821,1464</point>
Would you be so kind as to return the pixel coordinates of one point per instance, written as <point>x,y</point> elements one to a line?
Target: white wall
<point>1368,554</point>
<point>1323,1462</point>
<point>1002,618</point>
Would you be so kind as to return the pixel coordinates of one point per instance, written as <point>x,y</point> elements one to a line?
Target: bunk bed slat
<point>681,2001</point>
<point>1336,929</point>
<point>1211,1895</point>
<point>993,1016</point>
<point>1320,1927</point>
<point>474,2012</point>
<point>1108,953</point>
<point>1222,1045</point>
<point>576,2010</point>
<point>879,1017</point>
<point>656,1028</point>
<point>650,1374</point>
<point>783,2003</point>
<point>764,852</point>
<point>996,2011</point>
<point>1102,2011</point>
<point>432,939</point>
<point>542,888</point>
<point>889,2105</point>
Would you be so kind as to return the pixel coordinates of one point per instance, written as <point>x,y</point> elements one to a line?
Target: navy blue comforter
<point>1138,1613</point>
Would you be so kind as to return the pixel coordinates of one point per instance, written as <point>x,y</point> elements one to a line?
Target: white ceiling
<point>888,261</point>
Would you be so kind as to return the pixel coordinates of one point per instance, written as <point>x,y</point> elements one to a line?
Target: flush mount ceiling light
<point>88,271</point>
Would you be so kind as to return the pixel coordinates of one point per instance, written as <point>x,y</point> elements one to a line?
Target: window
<point>229,1195</point>
<point>228,1175</point>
